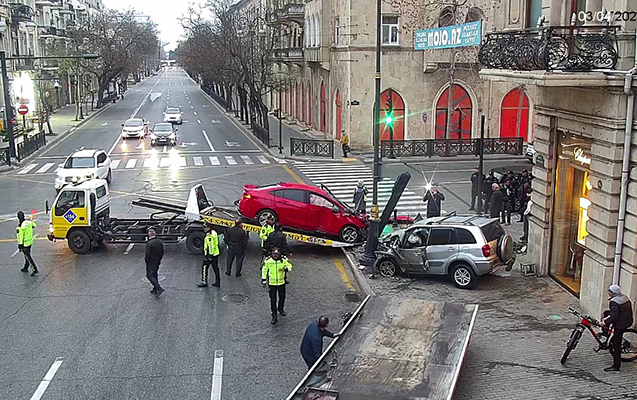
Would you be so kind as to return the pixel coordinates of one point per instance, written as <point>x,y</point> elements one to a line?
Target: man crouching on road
<point>312,344</point>
<point>273,274</point>
<point>153,256</point>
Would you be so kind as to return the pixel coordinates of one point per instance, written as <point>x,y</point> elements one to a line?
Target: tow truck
<point>80,214</point>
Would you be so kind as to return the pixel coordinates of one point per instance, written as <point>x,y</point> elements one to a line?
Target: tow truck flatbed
<point>393,349</point>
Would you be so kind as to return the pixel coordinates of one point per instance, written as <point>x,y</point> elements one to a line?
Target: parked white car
<point>83,165</point>
<point>134,128</point>
<point>173,115</point>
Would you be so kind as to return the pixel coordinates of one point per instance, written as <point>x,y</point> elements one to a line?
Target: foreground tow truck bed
<point>81,215</point>
<point>393,349</point>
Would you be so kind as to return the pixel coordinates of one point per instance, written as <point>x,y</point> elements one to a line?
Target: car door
<point>70,211</point>
<point>441,249</point>
<point>323,215</point>
<point>413,249</point>
<point>102,164</point>
<point>291,207</point>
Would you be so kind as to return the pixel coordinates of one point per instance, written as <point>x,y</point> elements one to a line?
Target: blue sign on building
<point>463,35</point>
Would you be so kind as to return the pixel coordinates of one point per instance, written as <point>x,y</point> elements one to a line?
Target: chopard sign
<point>581,156</point>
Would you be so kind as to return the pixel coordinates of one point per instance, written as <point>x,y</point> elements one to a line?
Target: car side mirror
<point>176,130</point>
<point>122,124</point>
<point>336,210</point>
<point>46,206</point>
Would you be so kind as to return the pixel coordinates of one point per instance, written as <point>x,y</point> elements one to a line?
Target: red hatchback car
<point>302,208</point>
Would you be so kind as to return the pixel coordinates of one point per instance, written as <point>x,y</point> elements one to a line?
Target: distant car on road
<point>83,165</point>
<point>163,133</point>
<point>302,208</point>
<point>173,115</point>
<point>134,127</point>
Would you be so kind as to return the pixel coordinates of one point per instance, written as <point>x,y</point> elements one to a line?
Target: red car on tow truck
<point>304,209</point>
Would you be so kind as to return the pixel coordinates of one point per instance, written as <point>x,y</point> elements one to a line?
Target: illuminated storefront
<point>570,212</point>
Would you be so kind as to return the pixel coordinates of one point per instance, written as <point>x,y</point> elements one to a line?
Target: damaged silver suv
<point>461,247</point>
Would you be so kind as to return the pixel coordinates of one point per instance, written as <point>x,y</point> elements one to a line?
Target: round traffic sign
<point>23,109</point>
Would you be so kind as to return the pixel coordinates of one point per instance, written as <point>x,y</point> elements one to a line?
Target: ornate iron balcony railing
<point>567,48</point>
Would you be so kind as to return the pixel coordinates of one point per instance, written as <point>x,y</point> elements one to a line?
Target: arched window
<point>474,14</point>
<point>309,103</point>
<point>312,29</point>
<point>462,113</point>
<point>514,114</point>
<point>446,17</point>
<point>318,31</point>
<point>392,105</point>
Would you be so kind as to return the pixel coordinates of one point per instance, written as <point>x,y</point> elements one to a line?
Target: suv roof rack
<point>451,214</point>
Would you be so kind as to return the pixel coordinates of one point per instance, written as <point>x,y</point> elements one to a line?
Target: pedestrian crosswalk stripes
<point>159,160</point>
<point>342,179</point>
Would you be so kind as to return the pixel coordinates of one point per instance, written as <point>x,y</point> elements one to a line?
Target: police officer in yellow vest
<point>24,232</point>
<point>210,257</point>
<point>264,232</point>
<point>274,274</point>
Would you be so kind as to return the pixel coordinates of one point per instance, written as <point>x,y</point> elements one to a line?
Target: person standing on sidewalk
<point>475,182</point>
<point>344,143</point>
<point>360,198</point>
<point>434,200</point>
<point>210,257</point>
<point>274,275</point>
<point>487,189</point>
<point>525,221</point>
<point>524,197</point>
<point>621,318</point>
<point>507,202</point>
<point>237,241</point>
<point>153,256</point>
<point>495,202</point>
<point>24,233</point>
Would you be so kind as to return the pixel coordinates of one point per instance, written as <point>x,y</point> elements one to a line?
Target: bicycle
<point>629,342</point>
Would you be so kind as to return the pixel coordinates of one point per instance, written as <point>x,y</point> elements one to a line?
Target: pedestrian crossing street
<point>161,161</point>
<point>341,179</point>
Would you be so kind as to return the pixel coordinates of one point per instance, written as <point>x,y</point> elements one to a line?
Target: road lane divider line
<point>194,112</point>
<point>115,164</point>
<point>205,135</point>
<point>44,384</point>
<point>217,375</point>
<point>293,174</point>
<point>129,248</point>
<point>131,163</point>
<point>198,121</point>
<point>344,276</point>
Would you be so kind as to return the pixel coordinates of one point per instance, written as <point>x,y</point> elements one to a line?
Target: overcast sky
<point>164,13</point>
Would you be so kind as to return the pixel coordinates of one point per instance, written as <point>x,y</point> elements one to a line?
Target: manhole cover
<point>353,297</point>
<point>160,278</point>
<point>235,298</point>
<point>555,317</point>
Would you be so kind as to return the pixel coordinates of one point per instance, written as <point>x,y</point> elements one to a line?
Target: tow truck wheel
<point>349,234</point>
<point>264,215</point>
<point>194,242</point>
<point>79,242</point>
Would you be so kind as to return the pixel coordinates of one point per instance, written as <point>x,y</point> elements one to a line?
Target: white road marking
<point>214,160</point>
<point>198,161</point>
<point>165,162</point>
<point>217,375</point>
<point>59,167</point>
<point>44,168</point>
<point>115,164</point>
<point>194,112</point>
<point>129,248</point>
<point>151,162</point>
<point>44,384</point>
<point>180,162</point>
<point>263,160</point>
<point>131,163</point>
<point>208,140</point>
<point>192,106</point>
<point>247,160</point>
<point>165,149</point>
<point>281,161</point>
<point>198,121</point>
<point>230,160</point>
<point>26,169</point>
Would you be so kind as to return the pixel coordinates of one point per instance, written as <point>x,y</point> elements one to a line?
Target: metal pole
<point>480,164</point>
<point>451,83</point>
<point>8,110</point>
<point>280,122</point>
<point>374,220</point>
<point>391,125</point>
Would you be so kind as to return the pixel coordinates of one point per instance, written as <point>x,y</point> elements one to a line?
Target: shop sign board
<point>463,35</point>
<point>581,157</point>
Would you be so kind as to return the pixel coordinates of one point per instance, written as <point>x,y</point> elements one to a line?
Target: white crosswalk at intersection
<point>341,180</point>
<point>159,160</point>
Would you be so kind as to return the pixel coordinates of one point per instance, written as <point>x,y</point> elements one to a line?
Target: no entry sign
<point>23,109</point>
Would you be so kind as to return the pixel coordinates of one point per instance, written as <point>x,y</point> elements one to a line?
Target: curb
<point>359,277</point>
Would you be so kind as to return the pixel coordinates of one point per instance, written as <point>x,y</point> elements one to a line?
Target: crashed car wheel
<point>264,215</point>
<point>463,276</point>
<point>349,234</point>
<point>387,267</point>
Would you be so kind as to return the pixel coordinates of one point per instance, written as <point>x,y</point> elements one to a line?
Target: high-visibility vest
<point>265,231</point>
<point>24,232</point>
<point>273,270</point>
<point>211,244</point>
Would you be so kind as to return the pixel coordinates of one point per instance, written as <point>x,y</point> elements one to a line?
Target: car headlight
<point>90,176</point>
<point>51,228</point>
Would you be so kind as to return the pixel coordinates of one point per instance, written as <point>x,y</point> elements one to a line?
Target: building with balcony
<point>578,77</point>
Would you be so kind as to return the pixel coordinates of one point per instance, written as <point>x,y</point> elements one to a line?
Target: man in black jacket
<point>153,256</point>
<point>487,189</point>
<point>621,318</point>
<point>475,180</point>
<point>237,241</point>
<point>277,240</point>
<point>496,201</point>
<point>434,200</point>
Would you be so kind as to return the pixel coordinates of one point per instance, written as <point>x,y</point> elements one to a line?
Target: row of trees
<point>232,54</point>
<point>124,46</point>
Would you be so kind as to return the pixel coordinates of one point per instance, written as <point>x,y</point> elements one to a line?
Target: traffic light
<point>389,119</point>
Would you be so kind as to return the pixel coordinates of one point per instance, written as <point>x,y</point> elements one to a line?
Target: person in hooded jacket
<point>24,233</point>
<point>360,198</point>
<point>621,318</point>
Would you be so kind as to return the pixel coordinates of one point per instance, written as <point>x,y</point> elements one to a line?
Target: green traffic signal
<point>389,120</point>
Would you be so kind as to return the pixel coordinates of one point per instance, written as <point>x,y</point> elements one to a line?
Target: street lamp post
<point>374,220</point>
<point>8,114</point>
<point>280,122</point>
<point>56,85</point>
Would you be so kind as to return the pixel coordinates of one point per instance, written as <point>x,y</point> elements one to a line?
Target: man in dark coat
<point>277,240</point>
<point>487,188</point>
<point>434,200</point>
<point>312,344</point>
<point>153,256</point>
<point>475,179</point>
<point>237,241</point>
<point>621,318</point>
<point>496,201</point>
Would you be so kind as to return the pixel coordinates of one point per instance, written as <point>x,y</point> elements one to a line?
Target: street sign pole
<point>8,110</point>
<point>452,70</point>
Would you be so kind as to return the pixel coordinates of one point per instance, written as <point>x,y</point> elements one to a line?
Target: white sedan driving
<point>83,165</point>
<point>134,128</point>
